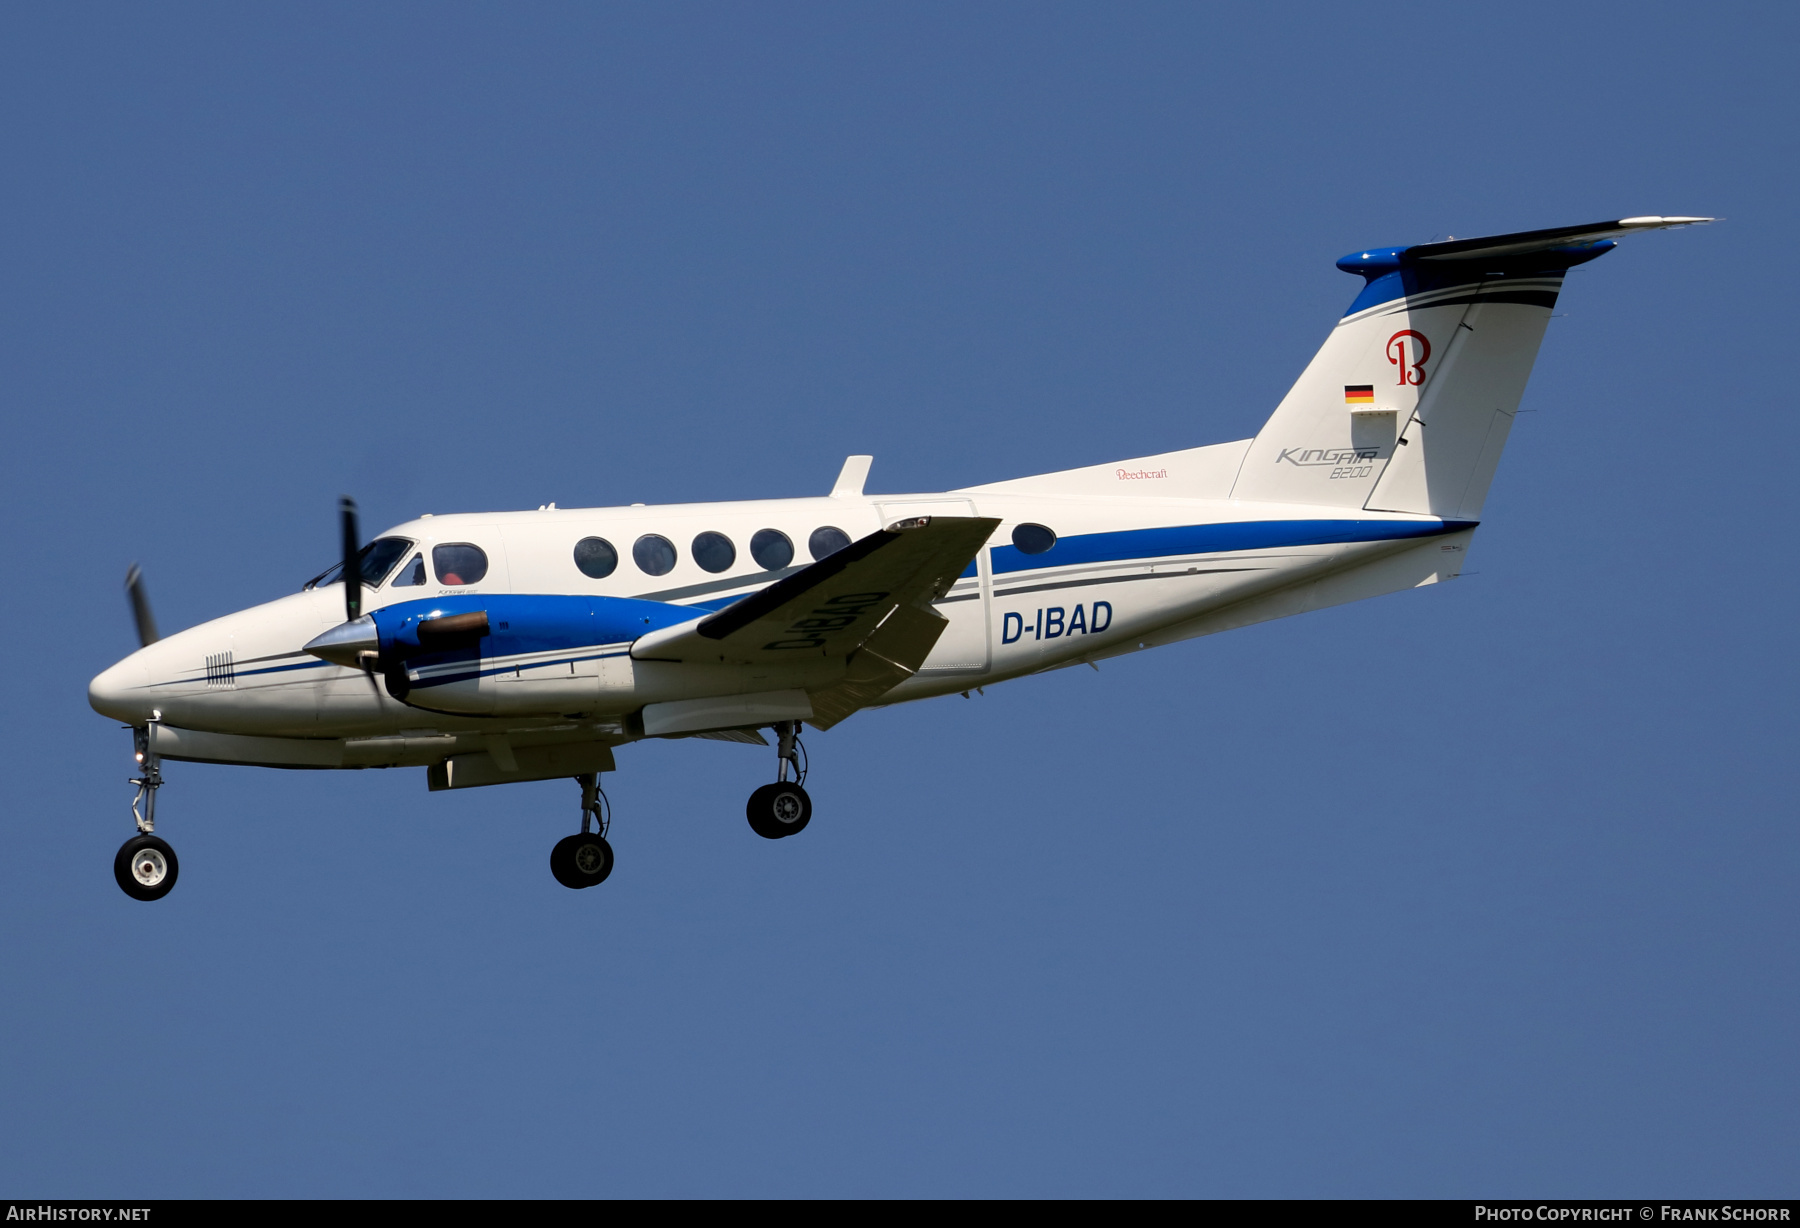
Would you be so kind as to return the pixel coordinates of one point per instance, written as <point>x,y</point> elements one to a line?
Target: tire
<point>778,811</point>
<point>581,861</point>
<point>146,868</point>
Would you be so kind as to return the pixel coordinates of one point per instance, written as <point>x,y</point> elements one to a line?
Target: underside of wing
<point>830,609</point>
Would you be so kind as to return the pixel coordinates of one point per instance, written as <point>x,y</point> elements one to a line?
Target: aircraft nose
<point>123,692</point>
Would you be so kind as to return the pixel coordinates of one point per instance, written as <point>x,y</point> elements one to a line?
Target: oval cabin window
<point>596,557</point>
<point>1033,538</point>
<point>654,554</point>
<point>714,552</point>
<point>827,540</point>
<point>771,549</point>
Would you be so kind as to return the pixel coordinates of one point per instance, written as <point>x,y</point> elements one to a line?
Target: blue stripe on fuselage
<point>520,624</point>
<point>523,624</point>
<point>1186,539</point>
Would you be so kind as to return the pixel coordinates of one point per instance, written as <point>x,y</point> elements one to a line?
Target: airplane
<point>491,648</point>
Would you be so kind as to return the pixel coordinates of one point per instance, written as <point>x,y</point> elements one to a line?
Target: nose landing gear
<point>145,866</point>
<point>585,859</point>
<point>783,808</point>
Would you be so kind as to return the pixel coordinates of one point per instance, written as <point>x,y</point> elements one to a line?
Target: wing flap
<point>886,659</point>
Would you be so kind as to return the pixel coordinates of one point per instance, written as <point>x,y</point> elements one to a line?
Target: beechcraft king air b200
<point>490,648</point>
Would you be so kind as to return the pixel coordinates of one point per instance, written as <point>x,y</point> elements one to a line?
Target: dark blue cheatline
<point>1213,539</point>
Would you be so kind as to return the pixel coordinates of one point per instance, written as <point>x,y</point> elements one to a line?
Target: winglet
<point>850,479</point>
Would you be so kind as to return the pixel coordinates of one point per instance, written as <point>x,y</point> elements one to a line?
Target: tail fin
<point>1406,406</point>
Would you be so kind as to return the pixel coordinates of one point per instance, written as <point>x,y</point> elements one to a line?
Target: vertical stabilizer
<point>1408,404</point>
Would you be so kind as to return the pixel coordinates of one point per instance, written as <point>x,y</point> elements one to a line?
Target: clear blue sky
<point>1488,889</point>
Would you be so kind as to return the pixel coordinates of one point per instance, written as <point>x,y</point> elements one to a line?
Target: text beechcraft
<point>492,648</point>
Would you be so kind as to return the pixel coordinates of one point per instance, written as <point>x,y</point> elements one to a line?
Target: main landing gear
<point>783,808</point>
<point>585,859</point>
<point>145,866</point>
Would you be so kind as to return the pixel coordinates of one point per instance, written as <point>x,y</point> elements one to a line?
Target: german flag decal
<point>1359,394</point>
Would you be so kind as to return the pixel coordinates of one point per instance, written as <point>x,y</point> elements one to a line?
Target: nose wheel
<point>585,859</point>
<point>783,808</point>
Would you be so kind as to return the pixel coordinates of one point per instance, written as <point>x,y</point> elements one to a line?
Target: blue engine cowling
<point>509,653</point>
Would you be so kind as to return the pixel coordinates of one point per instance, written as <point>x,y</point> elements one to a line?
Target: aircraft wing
<point>833,607</point>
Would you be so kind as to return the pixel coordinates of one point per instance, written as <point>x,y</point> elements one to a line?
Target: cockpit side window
<point>412,574</point>
<point>374,562</point>
<point>459,563</point>
<point>379,557</point>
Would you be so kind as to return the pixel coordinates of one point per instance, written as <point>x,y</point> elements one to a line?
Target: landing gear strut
<point>584,860</point>
<point>145,866</point>
<point>783,808</point>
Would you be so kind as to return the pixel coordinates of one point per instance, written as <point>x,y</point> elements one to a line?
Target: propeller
<point>140,607</point>
<point>366,659</point>
<point>352,565</point>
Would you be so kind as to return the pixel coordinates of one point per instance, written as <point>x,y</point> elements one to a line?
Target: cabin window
<point>654,554</point>
<point>1033,538</point>
<point>411,574</point>
<point>828,539</point>
<point>596,557</point>
<point>771,549</point>
<point>714,551</point>
<point>459,563</point>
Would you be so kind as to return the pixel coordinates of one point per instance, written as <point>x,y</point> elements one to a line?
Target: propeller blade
<point>140,607</point>
<point>352,572</point>
<point>370,663</point>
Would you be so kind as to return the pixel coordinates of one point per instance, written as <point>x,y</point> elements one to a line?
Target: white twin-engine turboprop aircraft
<point>489,648</point>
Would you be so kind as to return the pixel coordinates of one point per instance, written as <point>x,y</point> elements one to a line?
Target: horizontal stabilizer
<point>830,608</point>
<point>1526,241</point>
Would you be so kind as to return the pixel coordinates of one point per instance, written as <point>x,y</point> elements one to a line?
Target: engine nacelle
<point>499,654</point>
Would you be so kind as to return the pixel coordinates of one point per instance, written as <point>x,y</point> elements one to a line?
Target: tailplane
<point>1407,405</point>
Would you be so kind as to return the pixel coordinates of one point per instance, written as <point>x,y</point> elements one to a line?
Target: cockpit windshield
<point>375,561</point>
